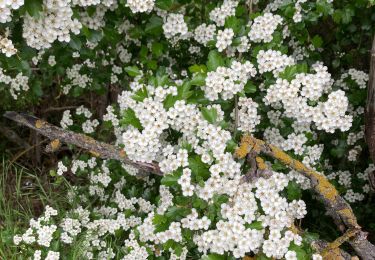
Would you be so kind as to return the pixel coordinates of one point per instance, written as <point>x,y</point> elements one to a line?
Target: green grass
<point>23,195</point>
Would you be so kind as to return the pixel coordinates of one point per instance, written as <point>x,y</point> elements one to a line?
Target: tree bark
<point>370,114</point>
<point>99,149</point>
<point>332,200</point>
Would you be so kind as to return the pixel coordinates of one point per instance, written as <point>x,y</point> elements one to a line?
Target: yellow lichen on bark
<point>89,139</point>
<point>39,123</point>
<point>349,216</point>
<point>260,163</point>
<point>245,146</point>
<point>324,187</point>
<point>281,155</point>
<point>333,254</point>
<point>332,248</point>
<point>122,153</point>
<point>55,144</point>
<point>94,153</point>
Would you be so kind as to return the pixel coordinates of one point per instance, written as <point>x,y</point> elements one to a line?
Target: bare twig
<point>99,149</point>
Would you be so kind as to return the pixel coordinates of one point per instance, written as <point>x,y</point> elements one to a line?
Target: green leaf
<point>133,71</point>
<point>317,41</point>
<point>37,88</point>
<point>323,7</point>
<point>250,88</point>
<point>198,68</point>
<point>214,257</point>
<point>301,254</point>
<point>346,15</point>
<point>33,7</point>
<point>140,95</point>
<point>234,23</point>
<point>199,79</point>
<point>214,60</point>
<point>157,49</point>
<point>209,114</point>
<point>159,219</point>
<point>129,118</point>
<point>75,43</point>
<point>171,179</point>
<point>255,225</point>
<point>293,191</point>
<point>164,4</point>
<point>154,25</point>
<point>199,168</point>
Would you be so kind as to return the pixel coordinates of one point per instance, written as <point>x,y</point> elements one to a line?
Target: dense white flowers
<point>227,82</point>
<point>175,26</point>
<point>54,23</point>
<point>219,14</point>
<point>328,115</point>
<point>7,47</point>
<point>248,117</point>
<point>204,33</point>
<point>263,27</point>
<point>17,84</point>
<point>184,125</point>
<point>224,38</point>
<point>140,6</point>
<point>6,6</point>
<point>273,61</point>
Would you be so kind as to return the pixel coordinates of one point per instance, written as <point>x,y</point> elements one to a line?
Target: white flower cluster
<point>264,26</point>
<point>328,116</point>
<point>227,82</point>
<point>61,168</point>
<point>273,61</point>
<point>140,6</point>
<point>231,234</point>
<point>17,84</point>
<point>175,27</point>
<point>297,17</point>
<point>192,221</point>
<point>76,79</point>
<point>66,120</point>
<point>248,117</point>
<point>352,196</point>
<point>145,145</point>
<point>354,137</point>
<point>294,142</point>
<point>54,23</point>
<point>219,14</point>
<point>359,77</point>
<point>224,39</point>
<point>40,230</point>
<point>205,33</point>
<point>6,7</point>
<point>353,153</point>
<point>7,47</point>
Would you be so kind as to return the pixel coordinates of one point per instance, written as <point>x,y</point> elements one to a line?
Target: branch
<point>333,202</point>
<point>99,149</point>
<point>370,114</point>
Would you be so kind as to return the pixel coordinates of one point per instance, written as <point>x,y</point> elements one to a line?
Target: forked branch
<point>333,202</point>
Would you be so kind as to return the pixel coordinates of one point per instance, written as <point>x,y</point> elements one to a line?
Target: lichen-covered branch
<point>334,203</point>
<point>99,149</point>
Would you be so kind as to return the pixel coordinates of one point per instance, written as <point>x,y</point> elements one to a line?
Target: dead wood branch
<point>99,149</point>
